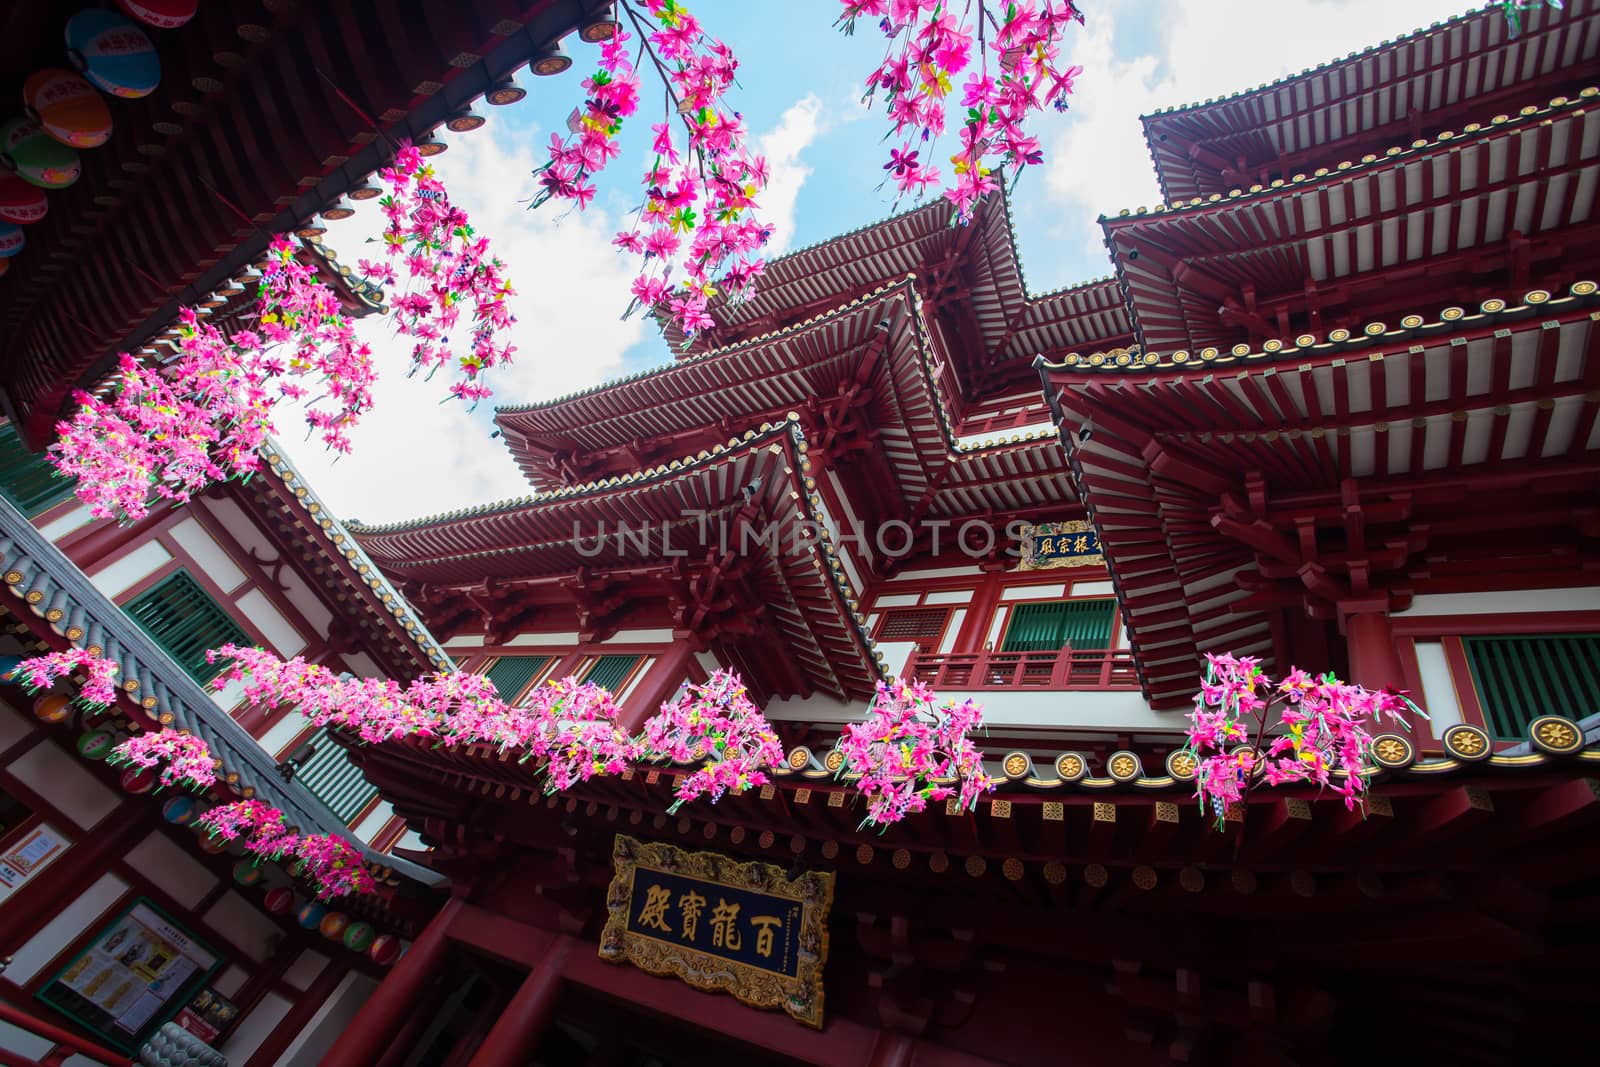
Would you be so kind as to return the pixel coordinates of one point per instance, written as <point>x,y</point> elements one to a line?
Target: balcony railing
<point>1069,668</point>
<point>62,1045</point>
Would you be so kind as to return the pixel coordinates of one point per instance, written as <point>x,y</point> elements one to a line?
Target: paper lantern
<point>38,158</point>
<point>180,811</point>
<point>113,53</point>
<point>162,14</point>
<point>211,843</point>
<point>279,901</point>
<point>20,202</point>
<point>139,779</point>
<point>385,949</point>
<point>333,925</point>
<point>11,240</point>
<point>96,744</point>
<point>247,872</point>
<point>311,915</point>
<point>67,108</point>
<point>5,265</point>
<point>358,937</point>
<point>52,707</point>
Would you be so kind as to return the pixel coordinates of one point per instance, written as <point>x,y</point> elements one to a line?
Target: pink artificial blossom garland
<point>576,733</point>
<point>929,46</point>
<point>717,725</point>
<point>1321,727</point>
<point>99,688</point>
<point>260,825</point>
<point>700,189</point>
<point>450,268</point>
<point>333,867</point>
<point>184,759</point>
<point>908,753</point>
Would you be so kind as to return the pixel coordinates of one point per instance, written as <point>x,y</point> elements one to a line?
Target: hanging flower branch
<point>1513,9</point>
<point>908,753</point>
<point>701,186</point>
<point>1247,729</point>
<point>333,867</point>
<point>260,825</point>
<point>576,734</point>
<point>718,726</point>
<point>99,688</point>
<point>930,44</point>
<point>450,268</point>
<point>184,759</point>
<point>170,433</point>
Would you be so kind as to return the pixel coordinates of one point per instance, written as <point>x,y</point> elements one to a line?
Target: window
<point>1051,626</point>
<point>609,672</point>
<point>512,674</point>
<point>328,773</point>
<point>27,478</point>
<point>1519,679</point>
<point>183,619</point>
<point>923,625</point>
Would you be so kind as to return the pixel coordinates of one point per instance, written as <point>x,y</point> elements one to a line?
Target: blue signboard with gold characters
<point>1060,544</point>
<point>720,924</point>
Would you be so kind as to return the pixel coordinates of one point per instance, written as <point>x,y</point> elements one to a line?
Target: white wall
<point>336,1013</point>
<point>1439,698</point>
<point>70,922</point>
<point>1043,712</point>
<point>1516,600</point>
<point>255,1028</point>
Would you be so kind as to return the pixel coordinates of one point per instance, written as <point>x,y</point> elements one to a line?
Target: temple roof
<point>874,352</point>
<point>548,541</point>
<point>922,243</point>
<point>1369,235</point>
<point>1391,93</point>
<point>1193,475</point>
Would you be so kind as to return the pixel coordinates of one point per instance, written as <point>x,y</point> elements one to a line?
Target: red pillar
<point>369,1033</point>
<point>513,1038</point>
<point>892,1050</point>
<point>660,681</point>
<point>1374,663</point>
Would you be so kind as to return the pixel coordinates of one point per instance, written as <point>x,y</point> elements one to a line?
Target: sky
<point>800,95</point>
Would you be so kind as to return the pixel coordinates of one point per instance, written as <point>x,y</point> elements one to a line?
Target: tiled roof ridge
<point>1337,340</point>
<point>1470,130</point>
<point>1397,42</point>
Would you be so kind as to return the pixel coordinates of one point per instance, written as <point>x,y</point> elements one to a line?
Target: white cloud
<point>1097,162</point>
<point>798,127</point>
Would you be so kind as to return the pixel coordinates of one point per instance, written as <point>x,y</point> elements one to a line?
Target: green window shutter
<point>609,672</point>
<point>183,619</point>
<point>27,478</point>
<point>333,778</point>
<point>1521,678</point>
<point>511,674</point>
<point>1052,625</point>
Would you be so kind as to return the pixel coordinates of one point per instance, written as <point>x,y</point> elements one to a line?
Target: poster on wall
<point>208,1015</point>
<point>33,850</point>
<point>132,977</point>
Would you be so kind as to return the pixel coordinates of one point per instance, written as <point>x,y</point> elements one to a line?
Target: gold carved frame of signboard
<point>800,996</point>
<point>1031,536</point>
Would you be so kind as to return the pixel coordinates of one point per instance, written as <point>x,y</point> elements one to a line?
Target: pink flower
<point>99,687</point>
<point>184,759</point>
<point>716,726</point>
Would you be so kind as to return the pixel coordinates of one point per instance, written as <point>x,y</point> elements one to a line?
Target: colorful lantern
<point>247,872</point>
<point>180,811</point>
<point>333,925</point>
<point>358,937</point>
<point>21,202</point>
<point>385,949</point>
<point>279,901</point>
<point>68,108</point>
<point>11,240</point>
<point>96,744</point>
<point>162,14</point>
<point>38,158</point>
<point>5,265</point>
<point>113,53</point>
<point>311,915</point>
<point>52,707</point>
<point>211,843</point>
<point>139,779</point>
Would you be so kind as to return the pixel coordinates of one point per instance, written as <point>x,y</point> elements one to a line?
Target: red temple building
<point>1338,406</point>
